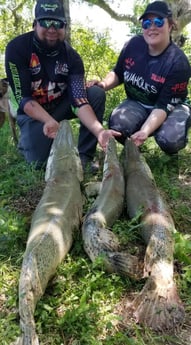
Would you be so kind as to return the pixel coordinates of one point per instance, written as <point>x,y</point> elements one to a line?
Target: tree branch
<point>119,17</point>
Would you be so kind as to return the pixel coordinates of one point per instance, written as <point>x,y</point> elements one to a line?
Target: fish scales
<point>106,209</point>
<point>56,218</point>
<point>158,304</point>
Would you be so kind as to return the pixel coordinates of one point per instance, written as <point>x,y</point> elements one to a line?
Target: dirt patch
<point>26,203</point>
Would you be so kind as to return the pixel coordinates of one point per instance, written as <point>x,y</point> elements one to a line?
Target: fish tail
<point>125,264</point>
<point>97,239</point>
<point>159,307</point>
<point>103,243</point>
<point>29,294</point>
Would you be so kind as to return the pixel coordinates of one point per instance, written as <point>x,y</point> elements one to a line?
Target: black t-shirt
<point>155,81</point>
<point>47,77</point>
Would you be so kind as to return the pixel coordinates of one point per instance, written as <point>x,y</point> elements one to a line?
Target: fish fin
<point>107,239</point>
<point>97,239</point>
<point>125,264</point>
<point>158,306</point>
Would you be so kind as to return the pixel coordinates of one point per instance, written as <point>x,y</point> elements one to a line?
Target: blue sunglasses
<point>147,23</point>
<point>47,23</point>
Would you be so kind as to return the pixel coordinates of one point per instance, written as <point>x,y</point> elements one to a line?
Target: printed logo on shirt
<point>129,62</point>
<point>175,100</point>
<point>36,84</point>
<point>35,66</point>
<point>47,93</point>
<point>158,78</point>
<point>61,68</point>
<point>139,82</point>
<point>180,87</point>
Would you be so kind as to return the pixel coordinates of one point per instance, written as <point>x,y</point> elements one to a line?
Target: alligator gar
<point>98,240</point>
<point>55,220</point>
<point>158,304</point>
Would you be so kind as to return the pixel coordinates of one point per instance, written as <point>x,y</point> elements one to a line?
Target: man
<point>47,78</point>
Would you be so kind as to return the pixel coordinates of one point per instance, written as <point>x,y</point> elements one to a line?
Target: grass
<point>78,305</point>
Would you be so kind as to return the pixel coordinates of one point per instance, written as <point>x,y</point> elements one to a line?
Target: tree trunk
<point>68,19</point>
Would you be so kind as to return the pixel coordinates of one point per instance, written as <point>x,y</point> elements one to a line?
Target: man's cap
<point>160,8</point>
<point>52,9</point>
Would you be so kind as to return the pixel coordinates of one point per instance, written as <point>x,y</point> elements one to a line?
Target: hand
<point>95,82</point>
<point>50,128</point>
<point>104,135</point>
<point>139,137</point>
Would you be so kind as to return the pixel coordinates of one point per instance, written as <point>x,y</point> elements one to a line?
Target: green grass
<point>78,305</point>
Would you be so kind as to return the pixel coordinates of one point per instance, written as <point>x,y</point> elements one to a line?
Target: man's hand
<point>50,128</point>
<point>104,135</point>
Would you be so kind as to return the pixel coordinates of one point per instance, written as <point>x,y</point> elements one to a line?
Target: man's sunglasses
<point>147,23</point>
<point>47,23</point>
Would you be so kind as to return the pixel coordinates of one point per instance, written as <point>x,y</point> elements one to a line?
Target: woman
<point>155,73</point>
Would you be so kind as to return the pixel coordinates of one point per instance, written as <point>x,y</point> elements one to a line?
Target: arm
<point>79,101</point>
<point>154,121</point>
<point>89,119</point>
<point>37,112</point>
<point>85,114</point>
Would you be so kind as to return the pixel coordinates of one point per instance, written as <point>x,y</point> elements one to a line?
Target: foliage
<point>99,58</point>
<point>187,51</point>
<point>181,11</point>
<point>138,9</point>
<point>15,19</point>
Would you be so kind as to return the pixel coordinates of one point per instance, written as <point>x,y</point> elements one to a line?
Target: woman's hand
<point>95,82</point>
<point>139,137</point>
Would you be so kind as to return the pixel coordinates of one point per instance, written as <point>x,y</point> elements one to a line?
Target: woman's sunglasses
<point>147,23</point>
<point>47,23</point>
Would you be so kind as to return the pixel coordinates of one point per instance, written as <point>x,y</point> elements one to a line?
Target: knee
<point>172,136</point>
<point>96,95</point>
<point>171,147</point>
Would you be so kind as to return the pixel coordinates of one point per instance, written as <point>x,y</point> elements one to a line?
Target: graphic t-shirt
<point>46,76</point>
<point>155,81</point>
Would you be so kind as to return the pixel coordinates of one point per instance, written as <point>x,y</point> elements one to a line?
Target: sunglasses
<point>147,23</point>
<point>47,23</point>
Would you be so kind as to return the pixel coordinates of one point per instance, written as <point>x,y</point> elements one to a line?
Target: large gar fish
<point>54,222</point>
<point>158,304</point>
<point>97,238</point>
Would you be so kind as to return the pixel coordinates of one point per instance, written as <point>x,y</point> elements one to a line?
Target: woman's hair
<point>172,23</point>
